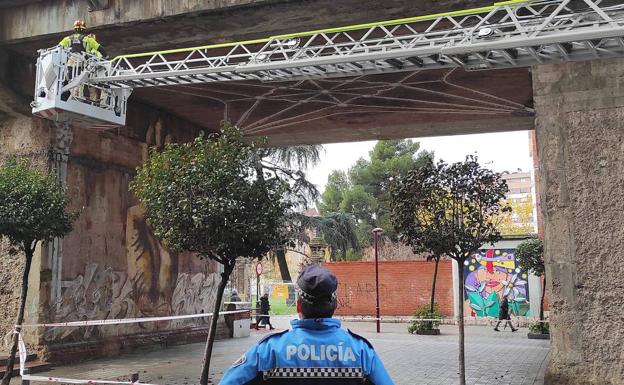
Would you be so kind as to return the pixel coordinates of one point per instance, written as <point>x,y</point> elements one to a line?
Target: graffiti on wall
<point>490,275</point>
<point>351,295</point>
<point>102,293</point>
<point>151,285</point>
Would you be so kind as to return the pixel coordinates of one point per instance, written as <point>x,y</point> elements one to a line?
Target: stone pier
<point>580,136</point>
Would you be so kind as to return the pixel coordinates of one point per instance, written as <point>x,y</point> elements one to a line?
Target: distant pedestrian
<point>503,315</point>
<point>265,306</point>
<point>234,297</point>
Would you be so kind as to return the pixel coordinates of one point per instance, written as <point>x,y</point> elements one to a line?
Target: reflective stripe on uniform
<point>314,373</point>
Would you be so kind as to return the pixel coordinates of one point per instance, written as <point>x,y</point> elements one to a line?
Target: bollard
<point>26,382</point>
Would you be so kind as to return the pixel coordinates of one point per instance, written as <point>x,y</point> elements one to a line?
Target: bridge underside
<point>396,105</point>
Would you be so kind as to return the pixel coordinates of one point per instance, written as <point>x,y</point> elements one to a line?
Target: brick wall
<point>403,286</point>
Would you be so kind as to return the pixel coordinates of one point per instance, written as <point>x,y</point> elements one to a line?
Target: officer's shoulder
<point>359,337</point>
<point>269,336</point>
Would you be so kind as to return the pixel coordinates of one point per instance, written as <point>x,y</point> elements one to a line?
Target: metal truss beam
<point>509,34</point>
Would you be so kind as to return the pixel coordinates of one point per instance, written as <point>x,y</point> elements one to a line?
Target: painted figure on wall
<point>153,283</point>
<point>489,275</point>
<point>154,268</point>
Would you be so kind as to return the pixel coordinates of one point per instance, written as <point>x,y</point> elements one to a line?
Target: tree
<point>450,210</point>
<point>33,208</point>
<point>530,256</point>
<point>364,207</point>
<point>364,191</point>
<point>338,230</point>
<point>337,184</point>
<point>519,221</point>
<point>389,159</point>
<point>282,160</point>
<point>335,228</point>
<point>415,201</point>
<point>209,197</point>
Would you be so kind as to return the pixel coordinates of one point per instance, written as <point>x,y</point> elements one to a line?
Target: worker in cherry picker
<point>80,43</point>
<point>96,47</point>
<point>97,95</point>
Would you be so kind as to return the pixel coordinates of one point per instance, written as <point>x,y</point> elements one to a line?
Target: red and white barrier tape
<point>130,320</point>
<point>23,354</point>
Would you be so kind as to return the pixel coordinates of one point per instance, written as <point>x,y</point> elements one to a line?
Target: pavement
<point>492,358</point>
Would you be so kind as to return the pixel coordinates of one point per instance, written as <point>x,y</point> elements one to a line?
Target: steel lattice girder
<point>509,34</point>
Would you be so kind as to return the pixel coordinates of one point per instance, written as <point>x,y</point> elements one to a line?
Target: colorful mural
<point>489,275</point>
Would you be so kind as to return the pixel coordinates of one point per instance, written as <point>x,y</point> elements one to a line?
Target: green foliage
<point>447,209</point>
<point>222,199</point>
<point>338,231</point>
<point>278,163</point>
<point>207,197</point>
<point>337,184</point>
<point>361,204</point>
<point>424,312</point>
<point>33,208</point>
<point>518,221</point>
<point>530,256</point>
<point>540,328</point>
<point>300,157</point>
<point>33,205</point>
<point>364,191</point>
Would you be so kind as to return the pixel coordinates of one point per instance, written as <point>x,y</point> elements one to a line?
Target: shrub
<point>539,328</point>
<point>424,312</point>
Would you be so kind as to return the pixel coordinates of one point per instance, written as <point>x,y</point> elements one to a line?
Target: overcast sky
<point>505,151</point>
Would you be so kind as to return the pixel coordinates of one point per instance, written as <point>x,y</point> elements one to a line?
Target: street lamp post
<point>377,231</point>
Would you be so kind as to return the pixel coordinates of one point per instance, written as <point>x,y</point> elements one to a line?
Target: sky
<point>502,151</point>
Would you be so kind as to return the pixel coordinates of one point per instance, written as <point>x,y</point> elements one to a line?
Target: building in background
<point>520,184</point>
<point>521,220</point>
<point>524,197</point>
<point>521,197</point>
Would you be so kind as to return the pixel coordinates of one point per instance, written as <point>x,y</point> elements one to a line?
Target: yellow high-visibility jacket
<point>81,43</point>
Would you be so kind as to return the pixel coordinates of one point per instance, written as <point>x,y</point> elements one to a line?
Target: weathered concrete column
<point>580,135</point>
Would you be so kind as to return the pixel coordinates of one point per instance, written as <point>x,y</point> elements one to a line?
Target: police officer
<point>316,350</point>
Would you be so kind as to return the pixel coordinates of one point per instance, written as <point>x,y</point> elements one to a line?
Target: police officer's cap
<point>316,283</point>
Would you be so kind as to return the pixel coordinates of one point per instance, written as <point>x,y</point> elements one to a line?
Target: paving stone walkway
<point>492,358</point>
